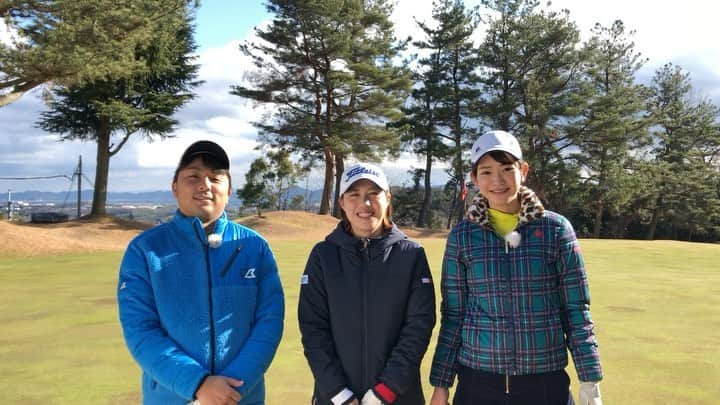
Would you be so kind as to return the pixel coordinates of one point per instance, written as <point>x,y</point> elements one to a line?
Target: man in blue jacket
<point>200,300</point>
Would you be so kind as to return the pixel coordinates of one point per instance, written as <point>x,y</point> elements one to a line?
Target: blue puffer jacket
<point>189,310</point>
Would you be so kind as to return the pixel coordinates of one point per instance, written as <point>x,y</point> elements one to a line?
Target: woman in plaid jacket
<point>515,295</point>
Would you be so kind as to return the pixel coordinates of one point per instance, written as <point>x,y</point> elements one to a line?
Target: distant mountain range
<point>154,197</point>
<point>159,197</point>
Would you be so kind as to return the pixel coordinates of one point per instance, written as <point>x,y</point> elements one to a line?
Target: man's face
<point>201,192</point>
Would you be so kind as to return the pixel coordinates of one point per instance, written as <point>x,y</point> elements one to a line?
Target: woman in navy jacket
<point>367,303</point>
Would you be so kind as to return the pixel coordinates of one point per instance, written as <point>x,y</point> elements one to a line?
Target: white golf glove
<point>370,399</point>
<point>589,393</point>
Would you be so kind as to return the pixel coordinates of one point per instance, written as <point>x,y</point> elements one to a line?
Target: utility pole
<point>79,190</point>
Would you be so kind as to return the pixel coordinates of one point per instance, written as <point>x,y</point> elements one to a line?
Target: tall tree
<point>459,88</point>
<point>405,201</point>
<point>328,68</point>
<point>283,175</point>
<point>445,87</point>
<point>531,65</point>
<point>108,112</point>
<point>611,120</point>
<point>444,100</point>
<point>254,193</point>
<point>69,42</point>
<point>269,180</point>
<point>684,148</point>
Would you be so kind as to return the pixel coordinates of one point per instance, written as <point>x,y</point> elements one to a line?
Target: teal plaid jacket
<point>515,311</point>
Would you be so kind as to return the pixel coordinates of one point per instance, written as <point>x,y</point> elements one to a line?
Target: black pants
<point>482,388</point>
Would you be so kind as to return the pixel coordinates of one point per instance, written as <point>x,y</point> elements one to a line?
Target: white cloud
<point>214,114</point>
<point>223,63</point>
<point>666,31</point>
<point>165,154</point>
<point>406,15</point>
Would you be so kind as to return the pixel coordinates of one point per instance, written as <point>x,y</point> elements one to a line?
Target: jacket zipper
<point>507,374</point>
<point>230,261</point>
<point>212,317</point>
<point>507,252</point>
<point>366,268</point>
<point>210,302</point>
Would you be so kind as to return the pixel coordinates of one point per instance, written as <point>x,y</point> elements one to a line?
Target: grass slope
<point>654,303</point>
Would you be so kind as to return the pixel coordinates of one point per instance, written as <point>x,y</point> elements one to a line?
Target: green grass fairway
<point>656,306</point>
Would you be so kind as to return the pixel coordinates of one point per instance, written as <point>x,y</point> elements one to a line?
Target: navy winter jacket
<point>366,313</point>
<point>189,310</point>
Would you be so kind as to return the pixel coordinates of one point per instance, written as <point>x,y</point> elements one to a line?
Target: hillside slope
<point>108,233</point>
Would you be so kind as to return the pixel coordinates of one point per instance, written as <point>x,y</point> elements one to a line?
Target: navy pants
<point>482,388</point>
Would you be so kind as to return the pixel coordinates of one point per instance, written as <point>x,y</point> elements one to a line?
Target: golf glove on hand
<point>371,399</point>
<point>589,393</point>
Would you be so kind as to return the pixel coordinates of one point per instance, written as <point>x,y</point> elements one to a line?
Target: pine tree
<point>105,110</point>
<point>69,42</point>
<point>611,120</point>
<point>269,180</point>
<point>254,193</point>
<point>684,149</point>
<point>450,92</point>
<point>531,65</point>
<point>445,88</point>
<point>327,66</point>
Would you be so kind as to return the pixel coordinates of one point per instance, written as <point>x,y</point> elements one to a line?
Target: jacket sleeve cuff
<point>202,380</point>
<point>343,397</point>
<point>384,392</point>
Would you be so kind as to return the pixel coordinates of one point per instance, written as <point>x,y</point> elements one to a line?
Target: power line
<point>36,178</point>
<point>89,181</point>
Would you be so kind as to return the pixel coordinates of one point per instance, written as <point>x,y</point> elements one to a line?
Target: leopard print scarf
<point>530,208</point>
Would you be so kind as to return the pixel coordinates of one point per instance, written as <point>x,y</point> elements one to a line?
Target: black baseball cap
<point>205,148</point>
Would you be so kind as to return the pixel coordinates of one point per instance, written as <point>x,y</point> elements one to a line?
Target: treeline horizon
<point>619,158</point>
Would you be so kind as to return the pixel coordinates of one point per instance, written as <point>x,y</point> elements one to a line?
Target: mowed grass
<point>656,306</point>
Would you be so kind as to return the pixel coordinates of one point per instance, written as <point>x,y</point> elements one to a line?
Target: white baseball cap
<point>495,140</point>
<point>361,171</point>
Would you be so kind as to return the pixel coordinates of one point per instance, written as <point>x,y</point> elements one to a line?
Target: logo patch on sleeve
<point>304,279</point>
<point>426,280</point>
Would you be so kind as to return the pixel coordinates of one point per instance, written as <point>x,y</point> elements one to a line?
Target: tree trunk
<point>102,168</point>
<point>339,169</point>
<point>453,207</point>
<point>328,182</point>
<point>655,219</point>
<point>598,220</point>
<point>423,219</point>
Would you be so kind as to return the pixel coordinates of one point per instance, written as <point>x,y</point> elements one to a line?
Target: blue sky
<point>684,33</point>
<point>221,21</point>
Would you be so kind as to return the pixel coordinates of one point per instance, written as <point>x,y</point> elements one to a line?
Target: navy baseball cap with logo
<point>361,171</point>
<point>215,151</point>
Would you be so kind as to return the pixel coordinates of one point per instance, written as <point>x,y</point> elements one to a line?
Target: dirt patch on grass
<point>109,233</point>
<point>291,225</point>
<point>85,234</point>
<point>295,225</point>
